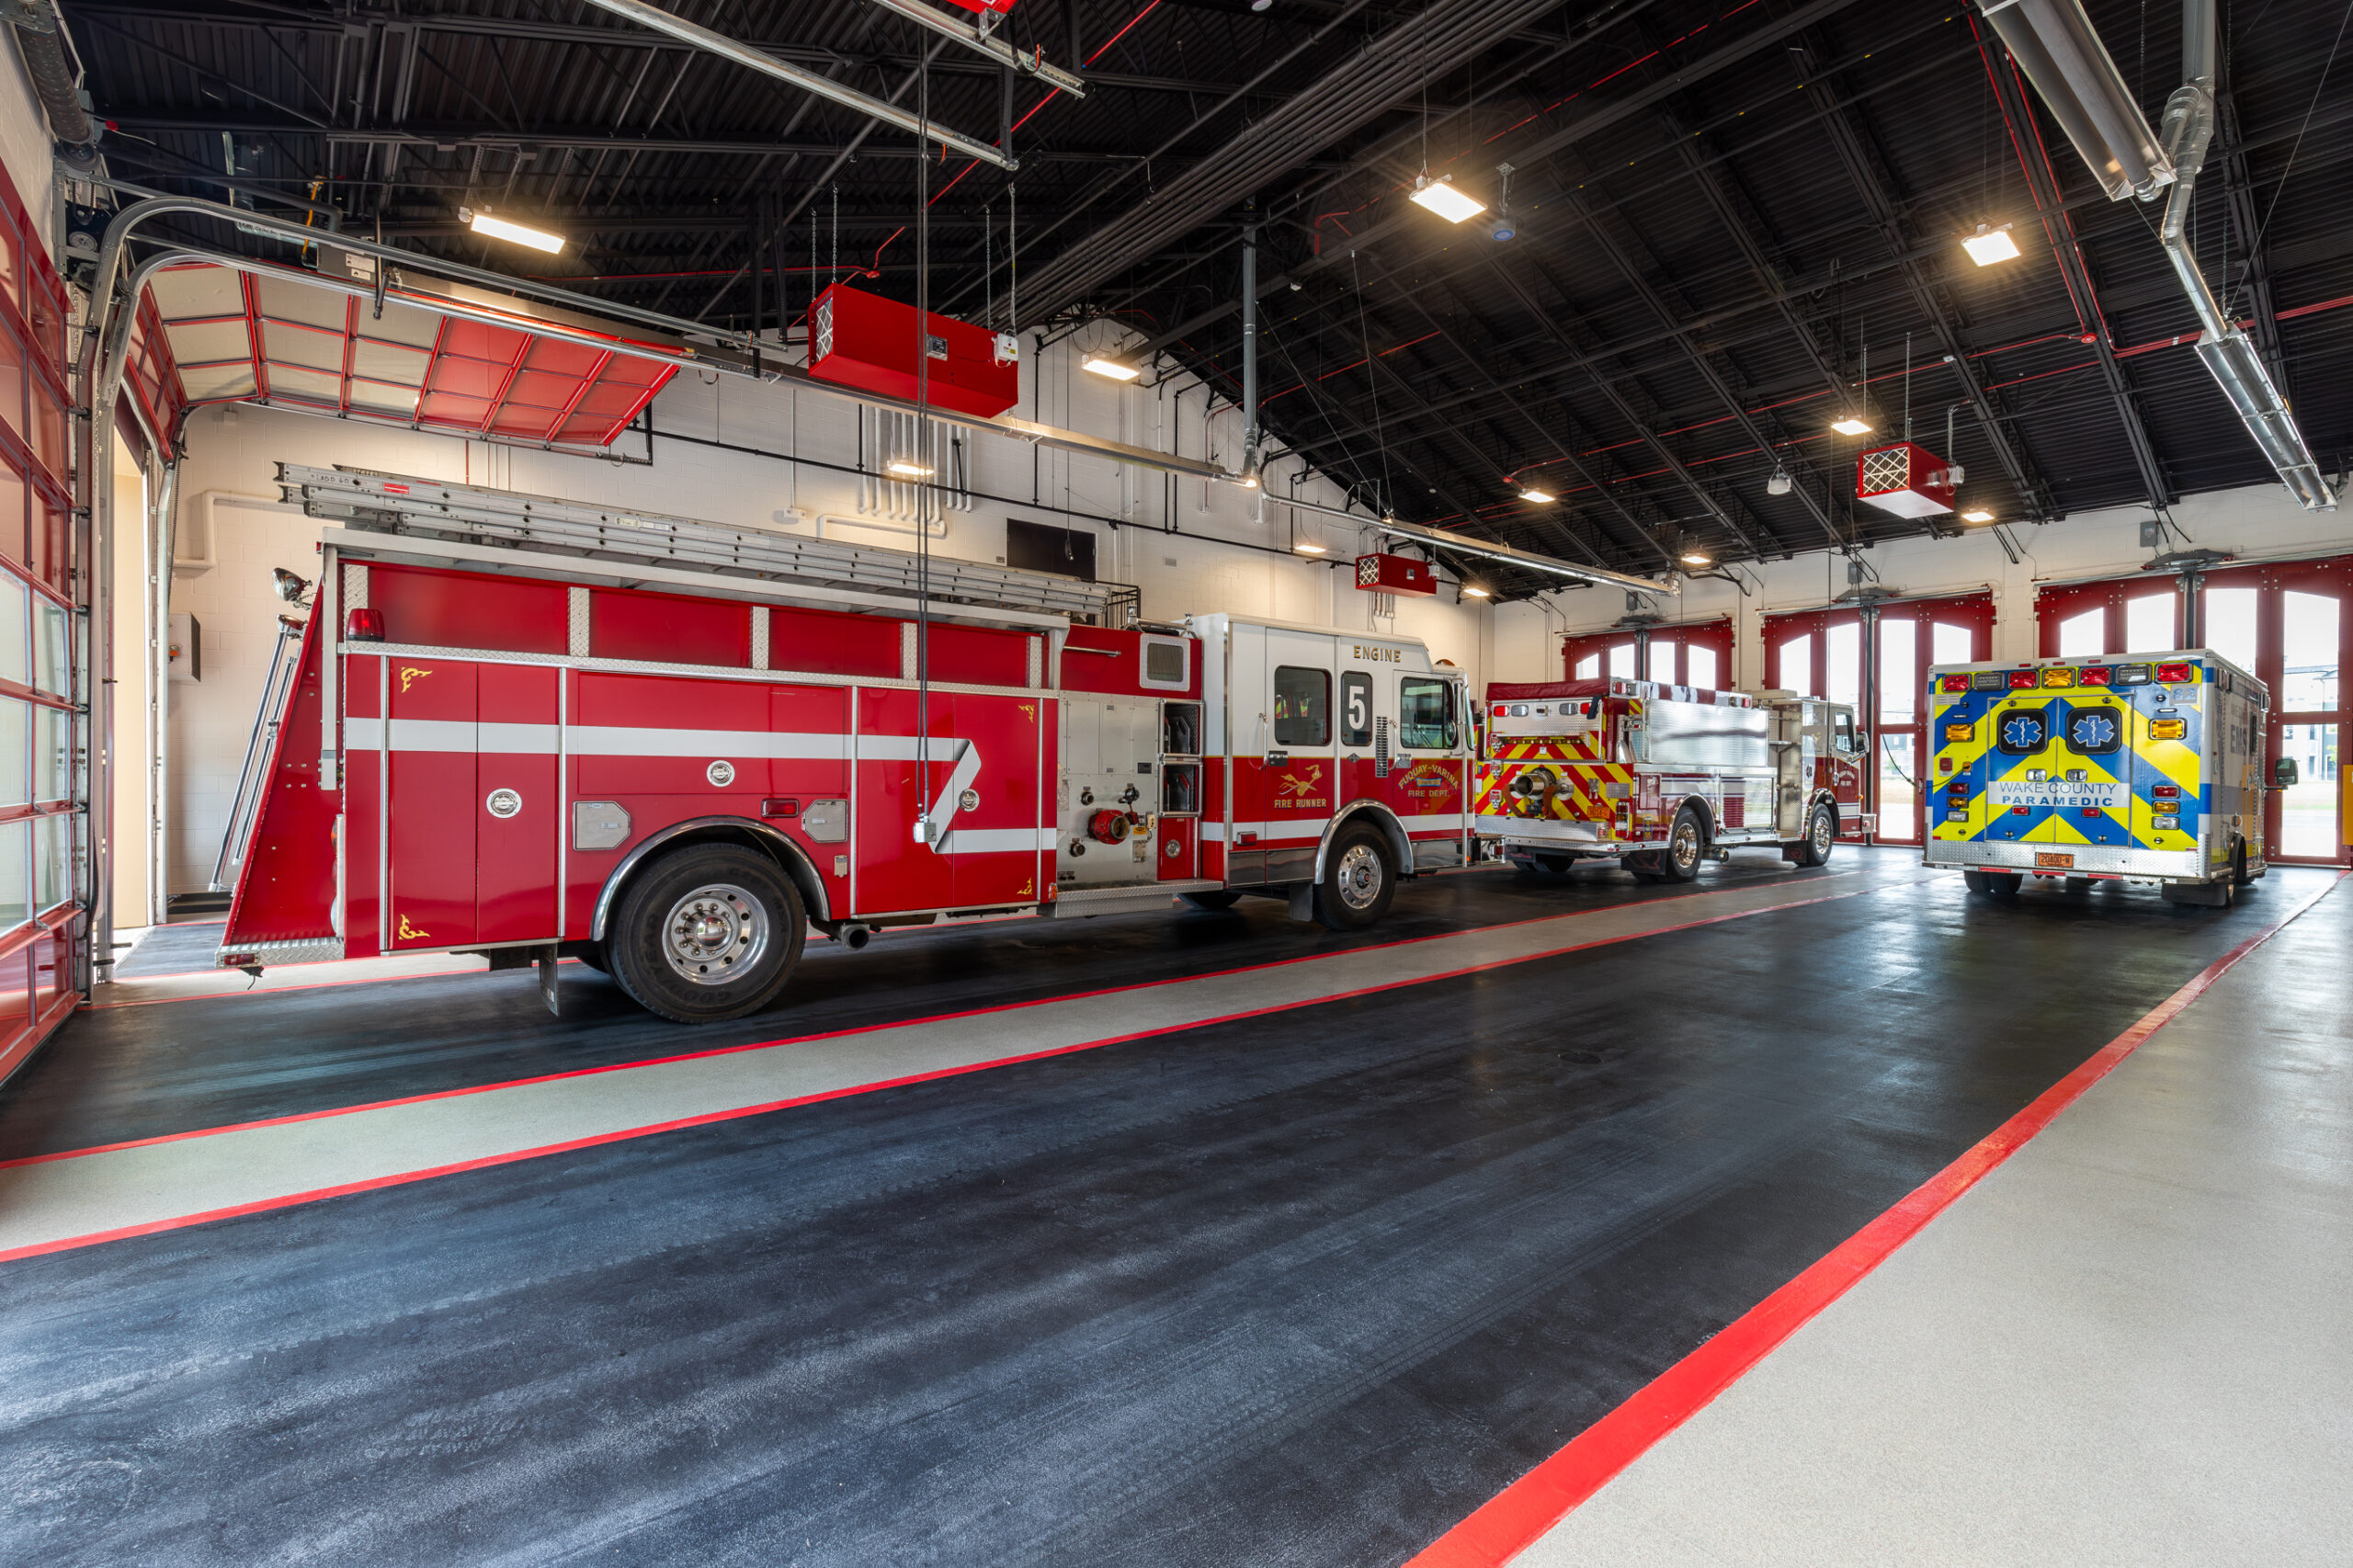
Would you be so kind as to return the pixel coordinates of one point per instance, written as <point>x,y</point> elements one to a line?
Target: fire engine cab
<point>1664,777</point>
<point>534,728</point>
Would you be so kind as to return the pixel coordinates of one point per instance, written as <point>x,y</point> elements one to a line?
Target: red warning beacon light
<point>1907,479</point>
<point>862,340</point>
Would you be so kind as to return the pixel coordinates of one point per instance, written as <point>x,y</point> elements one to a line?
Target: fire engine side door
<point>991,806</point>
<point>1425,786</point>
<point>433,810</point>
<point>1299,771</point>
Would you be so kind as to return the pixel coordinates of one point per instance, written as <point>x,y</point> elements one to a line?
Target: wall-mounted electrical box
<point>184,648</point>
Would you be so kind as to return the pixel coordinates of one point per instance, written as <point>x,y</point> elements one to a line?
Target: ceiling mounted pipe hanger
<point>751,59</point>
<point>971,36</point>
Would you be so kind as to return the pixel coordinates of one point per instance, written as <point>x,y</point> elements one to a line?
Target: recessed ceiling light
<point>1977,515</point>
<point>1532,494</point>
<point>483,223</point>
<point>1987,246</point>
<point>1440,196</point>
<point>1117,370</point>
<point>906,469</point>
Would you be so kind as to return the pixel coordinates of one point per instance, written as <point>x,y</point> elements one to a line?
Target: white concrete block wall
<point>1227,557</point>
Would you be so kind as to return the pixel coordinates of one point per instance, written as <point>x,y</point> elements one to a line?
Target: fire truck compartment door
<point>518,809</point>
<point>435,811</point>
<point>996,820</point>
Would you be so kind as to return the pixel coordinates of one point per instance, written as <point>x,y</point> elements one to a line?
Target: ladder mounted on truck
<point>395,504</point>
<point>277,685</point>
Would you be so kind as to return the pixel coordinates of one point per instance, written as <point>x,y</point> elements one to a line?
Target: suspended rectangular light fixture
<point>902,469</point>
<point>1308,546</point>
<point>1473,591</point>
<point>1441,198</point>
<point>482,223</point>
<point>1988,245</point>
<point>1977,515</point>
<point>1852,423</point>
<point>1116,369</point>
<point>1538,496</point>
<point>1696,558</point>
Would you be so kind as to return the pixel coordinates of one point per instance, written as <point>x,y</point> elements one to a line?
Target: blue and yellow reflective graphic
<point>2058,763</point>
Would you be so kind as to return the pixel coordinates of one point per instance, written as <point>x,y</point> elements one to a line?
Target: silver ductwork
<point>2056,45</point>
<point>2230,355</point>
<point>2053,42</point>
<point>40,40</point>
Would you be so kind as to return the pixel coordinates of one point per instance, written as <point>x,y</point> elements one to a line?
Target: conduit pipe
<point>2230,355</point>
<point>751,59</point>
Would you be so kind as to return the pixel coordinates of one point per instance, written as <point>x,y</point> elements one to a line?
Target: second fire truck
<point>1664,778</point>
<point>539,729</point>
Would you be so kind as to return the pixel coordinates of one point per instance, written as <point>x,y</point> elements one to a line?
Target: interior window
<point>1302,707</point>
<point>1425,713</point>
<point>1356,709</point>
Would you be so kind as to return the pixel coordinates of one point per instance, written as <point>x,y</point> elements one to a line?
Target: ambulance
<point>2145,768</point>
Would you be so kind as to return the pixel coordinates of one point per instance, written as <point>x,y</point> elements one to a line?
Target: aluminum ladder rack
<point>397,503</point>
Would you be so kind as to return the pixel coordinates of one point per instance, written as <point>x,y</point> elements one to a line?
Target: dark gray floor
<point>1303,1288</point>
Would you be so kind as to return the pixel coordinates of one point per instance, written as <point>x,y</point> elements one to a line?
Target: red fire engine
<point>533,728</point>
<point>1664,777</point>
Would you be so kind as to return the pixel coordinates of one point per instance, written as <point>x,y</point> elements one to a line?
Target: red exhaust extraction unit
<point>1395,574</point>
<point>1907,479</point>
<point>862,340</point>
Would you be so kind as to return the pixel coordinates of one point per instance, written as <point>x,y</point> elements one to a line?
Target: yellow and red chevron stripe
<point>1583,790</point>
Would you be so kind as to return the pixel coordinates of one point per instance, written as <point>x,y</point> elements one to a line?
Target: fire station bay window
<point>1426,714</point>
<point>1302,707</point>
<point>1356,709</point>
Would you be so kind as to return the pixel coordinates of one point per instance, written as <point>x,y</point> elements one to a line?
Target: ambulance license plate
<point>2055,859</point>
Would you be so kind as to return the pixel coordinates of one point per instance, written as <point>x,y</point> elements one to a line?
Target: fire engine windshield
<point>1426,714</point>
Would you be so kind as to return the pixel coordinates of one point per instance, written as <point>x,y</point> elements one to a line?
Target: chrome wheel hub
<point>715,934</point>
<point>1822,833</point>
<point>1687,847</point>
<point>1359,876</point>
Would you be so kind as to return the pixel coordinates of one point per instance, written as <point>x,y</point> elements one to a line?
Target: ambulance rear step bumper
<point>2080,860</point>
<point>1082,903</point>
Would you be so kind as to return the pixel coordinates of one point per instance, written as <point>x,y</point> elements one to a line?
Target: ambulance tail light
<point>2058,677</point>
<point>2176,674</point>
<point>2092,675</point>
<point>1953,683</point>
<point>2167,822</point>
<point>2168,729</point>
<point>2025,680</point>
<point>2167,792</point>
<point>363,626</point>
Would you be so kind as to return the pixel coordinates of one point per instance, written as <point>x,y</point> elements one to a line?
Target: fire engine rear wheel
<point>1821,838</point>
<point>1687,847</point>
<point>709,933</point>
<point>1358,881</point>
<point>1215,899</point>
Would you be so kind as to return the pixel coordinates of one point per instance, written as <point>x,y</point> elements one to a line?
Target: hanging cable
<point>927,829</point>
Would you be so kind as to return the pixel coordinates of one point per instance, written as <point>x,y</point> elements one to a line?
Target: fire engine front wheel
<point>1358,881</point>
<point>709,933</point>
<point>1821,836</point>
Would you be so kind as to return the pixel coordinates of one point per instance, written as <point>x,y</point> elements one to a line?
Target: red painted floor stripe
<point>969,1012</point>
<point>401,1178</point>
<point>1514,1519</point>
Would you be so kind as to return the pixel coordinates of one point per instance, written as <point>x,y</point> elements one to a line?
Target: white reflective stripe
<point>967,769</point>
<point>997,840</point>
<point>1313,827</point>
<point>1433,824</point>
<point>619,740</point>
<point>902,748</point>
<point>590,740</point>
<point>536,739</point>
<point>440,734</point>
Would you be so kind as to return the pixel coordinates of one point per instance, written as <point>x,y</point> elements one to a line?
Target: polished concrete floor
<point>1197,1239</point>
